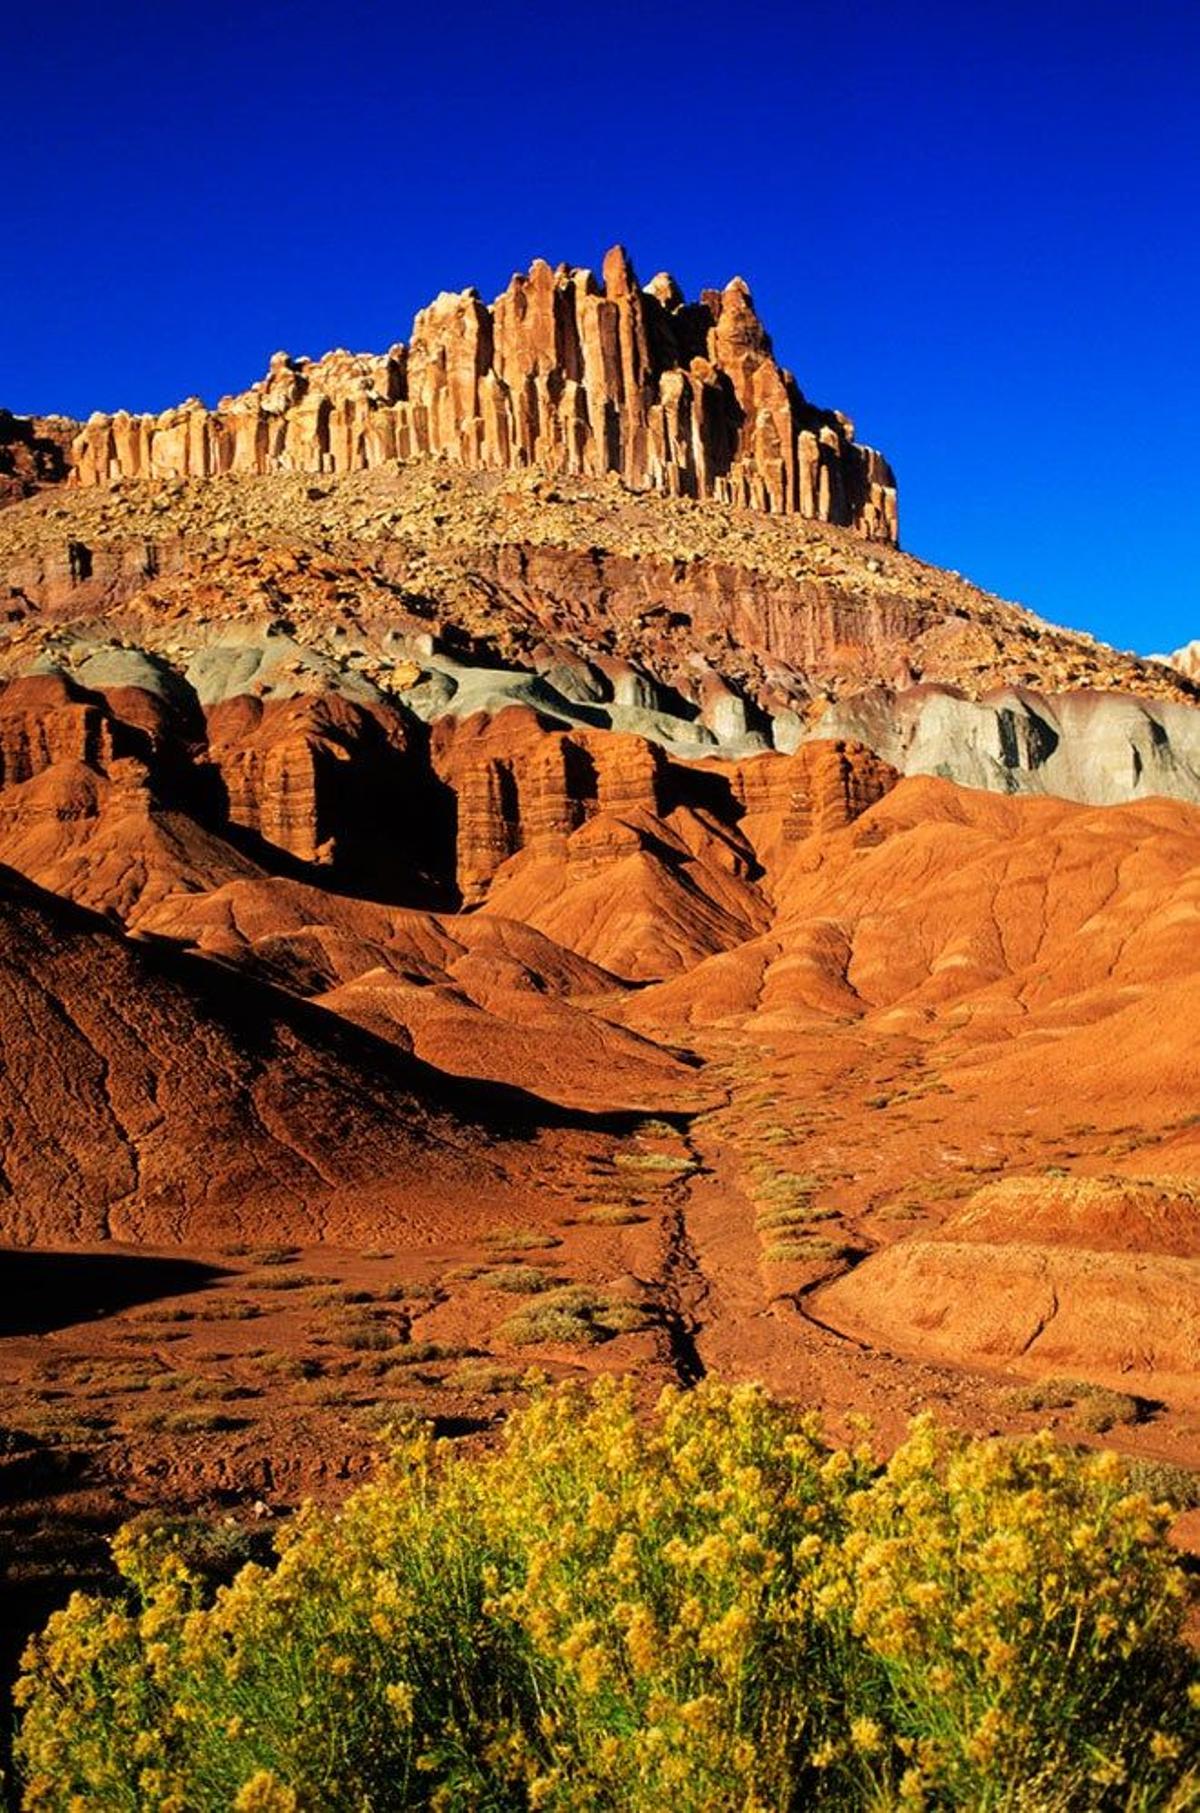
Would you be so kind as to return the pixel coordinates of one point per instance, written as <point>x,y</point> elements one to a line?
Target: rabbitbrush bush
<point>703,1608</point>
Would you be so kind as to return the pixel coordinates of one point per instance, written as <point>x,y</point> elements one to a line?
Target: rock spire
<point>564,371</point>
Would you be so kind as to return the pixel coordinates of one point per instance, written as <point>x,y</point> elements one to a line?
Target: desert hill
<point>593,498</point>
<point>123,1063</point>
<point>708,628</point>
<point>501,828</point>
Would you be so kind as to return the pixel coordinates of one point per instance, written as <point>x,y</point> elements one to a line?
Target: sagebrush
<point>703,1607</point>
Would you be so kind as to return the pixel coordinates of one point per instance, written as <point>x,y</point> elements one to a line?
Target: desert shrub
<point>652,1161</point>
<point>289,1365</point>
<point>575,1315</point>
<point>792,1217</point>
<point>613,1215</point>
<point>213,1550</point>
<point>417,1289</point>
<point>781,1189</point>
<point>1093,1407</point>
<point>330,1295</point>
<point>483,1378</point>
<point>810,1249</point>
<point>1099,1411</point>
<point>520,1280</point>
<point>186,1422</point>
<point>225,1309</point>
<point>521,1240</point>
<point>423,1353</point>
<point>705,1608</point>
<point>1165,1483</point>
<point>367,1336</point>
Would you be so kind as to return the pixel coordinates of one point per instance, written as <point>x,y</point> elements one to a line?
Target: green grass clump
<point>521,1240</point>
<point>812,1250</point>
<point>579,1315</point>
<point>794,1217</point>
<point>652,1161</point>
<point>703,1608</point>
<point>226,1309</point>
<point>424,1353</point>
<point>187,1422</point>
<point>519,1280</point>
<point>613,1215</point>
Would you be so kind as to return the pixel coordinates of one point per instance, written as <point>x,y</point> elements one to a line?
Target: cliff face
<point>33,452</point>
<point>362,796</point>
<point>571,374</point>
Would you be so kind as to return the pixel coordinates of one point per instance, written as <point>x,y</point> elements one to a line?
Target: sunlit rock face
<point>565,371</point>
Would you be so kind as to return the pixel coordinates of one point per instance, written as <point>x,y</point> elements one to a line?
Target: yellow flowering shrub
<point>700,1608</point>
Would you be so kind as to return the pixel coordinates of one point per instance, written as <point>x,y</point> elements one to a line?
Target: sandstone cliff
<point>33,452</point>
<point>563,371</point>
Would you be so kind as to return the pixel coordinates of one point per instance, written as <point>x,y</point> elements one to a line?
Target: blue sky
<point>973,227</point>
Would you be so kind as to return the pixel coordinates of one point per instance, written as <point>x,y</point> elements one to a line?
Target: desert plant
<point>574,1315</point>
<point>521,1240</point>
<point>613,1215</point>
<point>704,1608</point>
<point>483,1378</point>
<point>519,1280</point>
<point>793,1217</point>
<point>812,1249</point>
<point>1093,1407</point>
<point>652,1161</point>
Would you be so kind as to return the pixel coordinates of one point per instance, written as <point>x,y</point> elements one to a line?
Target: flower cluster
<point>700,1607</point>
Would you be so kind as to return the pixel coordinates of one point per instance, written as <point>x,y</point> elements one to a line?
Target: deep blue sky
<point>972,226</point>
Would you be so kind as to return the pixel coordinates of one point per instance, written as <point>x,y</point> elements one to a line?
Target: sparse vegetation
<point>652,1161</point>
<point>519,1280</point>
<point>365,1335</point>
<point>186,1422</point>
<point>575,1315</point>
<point>1165,1483</point>
<point>1093,1408</point>
<point>226,1309</point>
<point>483,1378</point>
<point>706,1609</point>
<point>424,1353</point>
<point>284,1281</point>
<point>613,1215</point>
<point>800,1217</point>
<point>813,1250</point>
<point>521,1240</point>
<point>289,1365</point>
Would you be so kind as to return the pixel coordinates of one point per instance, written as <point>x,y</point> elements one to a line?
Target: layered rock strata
<point>571,374</point>
<point>367,795</point>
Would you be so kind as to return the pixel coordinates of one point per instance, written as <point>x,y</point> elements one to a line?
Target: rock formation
<point>1185,660</point>
<point>120,1064</point>
<point>563,372</point>
<point>33,452</point>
